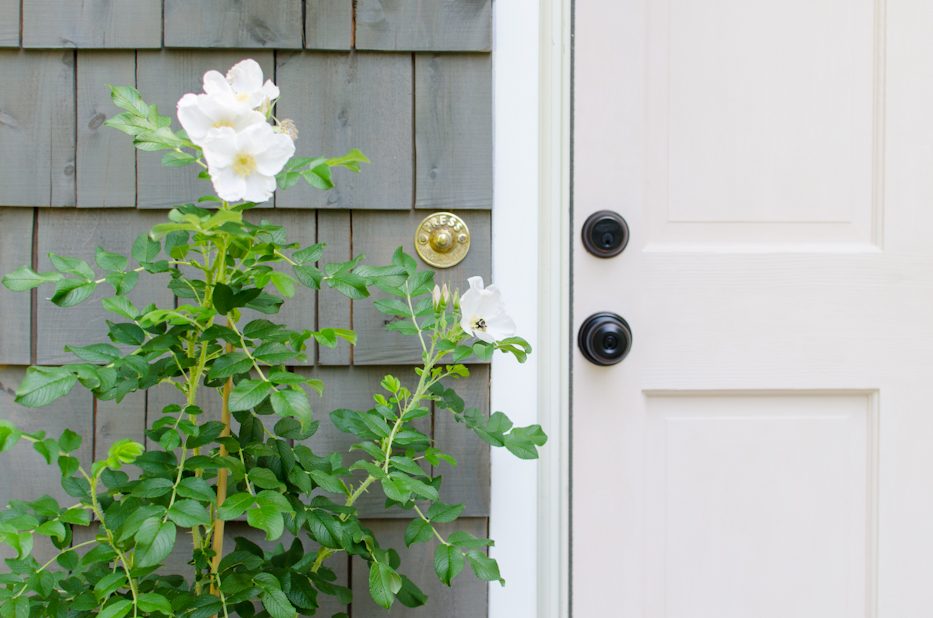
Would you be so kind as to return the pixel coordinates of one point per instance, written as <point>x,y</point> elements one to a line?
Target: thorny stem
<point>95,507</point>
<point>424,383</point>
<point>433,529</point>
<point>53,559</point>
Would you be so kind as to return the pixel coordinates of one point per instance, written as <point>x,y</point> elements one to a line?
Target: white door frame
<point>531,263</point>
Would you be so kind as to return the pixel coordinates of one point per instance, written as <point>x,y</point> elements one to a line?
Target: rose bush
<point>139,504</point>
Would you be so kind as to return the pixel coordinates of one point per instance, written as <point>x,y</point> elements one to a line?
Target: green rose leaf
<point>418,531</point>
<point>236,505</point>
<point>71,266</point>
<point>292,403</point>
<point>110,262</point>
<point>189,513</point>
<point>267,518</point>
<point>248,394</point>
<point>484,567</point>
<point>384,584</point>
<point>153,602</point>
<point>116,609</point>
<point>154,542</point>
<point>25,278</point>
<point>448,562</point>
<point>444,513</point>
<point>96,352</point>
<point>43,385</point>
<point>71,292</point>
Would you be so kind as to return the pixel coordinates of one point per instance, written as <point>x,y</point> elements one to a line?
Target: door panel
<point>764,448</point>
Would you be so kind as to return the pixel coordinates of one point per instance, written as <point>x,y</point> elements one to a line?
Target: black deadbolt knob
<point>605,338</point>
<point>605,234</point>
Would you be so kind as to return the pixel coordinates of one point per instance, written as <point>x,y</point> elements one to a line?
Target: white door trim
<point>531,259</point>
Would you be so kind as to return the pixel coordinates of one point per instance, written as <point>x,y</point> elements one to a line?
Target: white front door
<point>766,448</point>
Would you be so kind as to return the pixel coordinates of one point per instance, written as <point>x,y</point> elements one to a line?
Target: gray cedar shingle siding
<point>425,120</point>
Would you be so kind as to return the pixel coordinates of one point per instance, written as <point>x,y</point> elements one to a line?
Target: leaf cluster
<point>140,508</point>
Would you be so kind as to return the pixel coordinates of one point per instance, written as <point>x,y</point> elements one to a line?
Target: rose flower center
<point>244,164</point>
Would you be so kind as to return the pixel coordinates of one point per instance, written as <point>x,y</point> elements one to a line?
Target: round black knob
<point>605,234</point>
<point>605,338</point>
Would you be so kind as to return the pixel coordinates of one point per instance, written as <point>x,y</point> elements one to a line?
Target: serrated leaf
<point>145,249</point>
<point>384,584</point>
<point>43,385</point>
<point>277,604</point>
<point>96,352</point>
<point>236,505</point>
<point>154,542</point>
<point>153,602</point>
<point>267,518</point>
<point>196,488</point>
<point>444,513</point>
<point>25,278</point>
<point>71,266</point>
<point>71,292</point>
<point>248,394</point>
<point>189,513</point>
<point>110,262</point>
<point>448,562</point>
<point>292,403</point>
<point>121,306</point>
<point>484,567</point>
<point>116,609</point>
<point>418,531</point>
<point>229,365</point>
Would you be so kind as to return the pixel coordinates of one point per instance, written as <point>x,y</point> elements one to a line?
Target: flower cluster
<point>229,121</point>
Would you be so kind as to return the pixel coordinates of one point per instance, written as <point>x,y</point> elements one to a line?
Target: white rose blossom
<point>228,121</point>
<point>243,164</point>
<point>483,313</point>
<point>244,81</point>
<point>201,113</point>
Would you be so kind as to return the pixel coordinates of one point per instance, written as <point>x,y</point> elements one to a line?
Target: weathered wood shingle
<point>377,235</point>
<point>118,421</point>
<point>26,476</point>
<point>424,25</point>
<point>163,78</point>
<point>343,101</point>
<point>246,24</point>
<point>78,233</point>
<point>328,24</point>
<point>333,229</point>
<point>468,482</point>
<point>37,128</point>
<point>106,159</point>
<point>9,23</point>
<point>15,307</point>
<point>453,131</point>
<point>123,24</point>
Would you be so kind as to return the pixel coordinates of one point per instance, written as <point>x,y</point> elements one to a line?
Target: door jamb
<point>530,510</point>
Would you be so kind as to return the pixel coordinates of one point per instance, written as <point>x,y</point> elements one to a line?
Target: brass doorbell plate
<point>442,240</point>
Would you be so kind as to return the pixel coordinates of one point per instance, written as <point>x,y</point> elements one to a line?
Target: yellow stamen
<point>223,123</point>
<point>244,164</point>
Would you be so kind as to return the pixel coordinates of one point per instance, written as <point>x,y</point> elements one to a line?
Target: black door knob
<point>605,338</point>
<point>605,234</point>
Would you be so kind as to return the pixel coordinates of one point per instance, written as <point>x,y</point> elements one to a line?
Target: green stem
<point>246,351</point>
<point>433,529</point>
<point>95,507</point>
<point>53,559</point>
